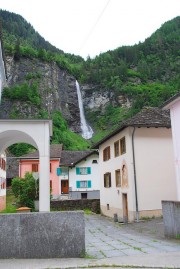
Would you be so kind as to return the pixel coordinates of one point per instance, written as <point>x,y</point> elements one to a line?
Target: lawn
<point>10,202</point>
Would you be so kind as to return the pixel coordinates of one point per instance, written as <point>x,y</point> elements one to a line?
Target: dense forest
<point>146,73</point>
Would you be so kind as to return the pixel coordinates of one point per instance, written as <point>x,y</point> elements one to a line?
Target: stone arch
<point>36,133</point>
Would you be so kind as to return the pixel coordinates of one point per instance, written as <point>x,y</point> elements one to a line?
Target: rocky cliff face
<point>57,90</point>
<point>56,87</point>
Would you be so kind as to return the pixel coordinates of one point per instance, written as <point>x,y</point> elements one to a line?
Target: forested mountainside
<point>115,85</point>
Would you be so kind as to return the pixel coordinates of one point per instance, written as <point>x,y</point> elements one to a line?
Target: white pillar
<point>44,184</point>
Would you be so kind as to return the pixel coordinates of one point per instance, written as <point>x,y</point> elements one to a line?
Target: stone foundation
<point>42,235</point>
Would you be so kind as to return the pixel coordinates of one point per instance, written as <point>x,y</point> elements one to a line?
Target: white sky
<point>89,27</point>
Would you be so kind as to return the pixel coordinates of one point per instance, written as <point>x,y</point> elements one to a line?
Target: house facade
<point>136,167</point>
<point>79,174</point>
<point>30,163</point>
<point>174,105</point>
<point>2,181</point>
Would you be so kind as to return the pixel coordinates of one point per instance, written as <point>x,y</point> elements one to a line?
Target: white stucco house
<point>79,174</point>
<point>136,166</point>
<point>174,105</point>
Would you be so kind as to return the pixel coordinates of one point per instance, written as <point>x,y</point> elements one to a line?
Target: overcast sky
<point>89,27</point>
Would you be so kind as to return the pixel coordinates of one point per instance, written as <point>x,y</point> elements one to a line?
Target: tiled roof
<point>170,100</point>
<point>147,117</point>
<point>55,152</point>
<point>150,117</point>
<point>69,158</point>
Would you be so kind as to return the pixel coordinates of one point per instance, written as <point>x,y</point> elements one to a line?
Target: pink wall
<point>2,202</point>
<point>26,166</point>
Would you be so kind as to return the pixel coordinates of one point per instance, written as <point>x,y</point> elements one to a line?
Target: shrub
<point>26,190</point>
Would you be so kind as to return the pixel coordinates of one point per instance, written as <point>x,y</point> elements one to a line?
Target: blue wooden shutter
<point>77,171</point>
<point>89,170</point>
<point>89,183</point>
<point>59,171</point>
<point>77,184</point>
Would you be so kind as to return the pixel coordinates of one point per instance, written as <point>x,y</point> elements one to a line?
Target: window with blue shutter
<point>77,171</point>
<point>89,183</point>
<point>58,171</point>
<point>88,170</point>
<point>77,184</point>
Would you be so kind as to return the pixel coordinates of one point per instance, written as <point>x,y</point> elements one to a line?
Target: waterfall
<point>87,131</point>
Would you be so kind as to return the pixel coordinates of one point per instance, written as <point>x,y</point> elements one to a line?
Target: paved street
<point>110,244</point>
<point>106,239</point>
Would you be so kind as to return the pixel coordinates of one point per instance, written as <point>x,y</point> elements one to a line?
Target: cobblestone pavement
<point>107,239</point>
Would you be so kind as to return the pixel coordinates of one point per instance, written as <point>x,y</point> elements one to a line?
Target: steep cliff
<point>56,88</point>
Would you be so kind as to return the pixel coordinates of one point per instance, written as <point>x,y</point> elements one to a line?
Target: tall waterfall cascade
<point>87,131</point>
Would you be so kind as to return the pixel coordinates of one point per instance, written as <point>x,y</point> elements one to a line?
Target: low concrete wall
<point>92,204</point>
<point>42,235</point>
<point>171,218</point>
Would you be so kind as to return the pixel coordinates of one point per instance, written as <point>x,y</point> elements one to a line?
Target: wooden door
<point>64,187</point>
<point>125,207</point>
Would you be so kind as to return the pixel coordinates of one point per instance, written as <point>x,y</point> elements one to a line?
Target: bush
<point>26,190</point>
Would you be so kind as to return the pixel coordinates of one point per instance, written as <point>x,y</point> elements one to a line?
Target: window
<point>84,195</point>
<point>62,171</point>
<point>118,178</point>
<point>83,184</point>
<point>35,167</point>
<point>116,149</point>
<point>123,145</point>
<point>51,184</point>
<point>108,207</point>
<point>94,161</point>
<point>50,168</point>
<point>83,170</point>
<point>106,154</point>
<point>107,180</point>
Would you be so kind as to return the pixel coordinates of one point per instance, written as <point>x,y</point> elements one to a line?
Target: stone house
<point>137,167</point>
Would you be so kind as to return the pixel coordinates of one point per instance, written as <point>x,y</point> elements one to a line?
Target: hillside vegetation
<point>146,73</point>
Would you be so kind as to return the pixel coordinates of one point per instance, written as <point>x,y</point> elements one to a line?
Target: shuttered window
<point>35,167</point>
<point>106,154</point>
<point>83,184</point>
<point>83,170</point>
<point>107,180</point>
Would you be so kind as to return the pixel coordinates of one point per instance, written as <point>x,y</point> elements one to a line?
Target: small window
<point>107,180</point>
<point>94,161</point>
<point>123,145</point>
<point>84,195</point>
<point>83,184</point>
<point>50,168</point>
<point>106,154</point>
<point>116,149</point>
<point>83,170</point>
<point>118,178</point>
<point>107,206</point>
<point>35,167</point>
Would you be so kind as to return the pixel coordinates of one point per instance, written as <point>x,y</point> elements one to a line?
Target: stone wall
<point>171,218</point>
<point>42,235</point>
<point>92,204</point>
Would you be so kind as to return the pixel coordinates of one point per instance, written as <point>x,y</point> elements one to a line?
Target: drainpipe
<point>135,182</point>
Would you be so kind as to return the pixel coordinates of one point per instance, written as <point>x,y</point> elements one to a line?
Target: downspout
<point>135,182</point>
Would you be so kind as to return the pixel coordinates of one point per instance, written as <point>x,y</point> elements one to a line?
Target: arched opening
<point>36,133</point>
